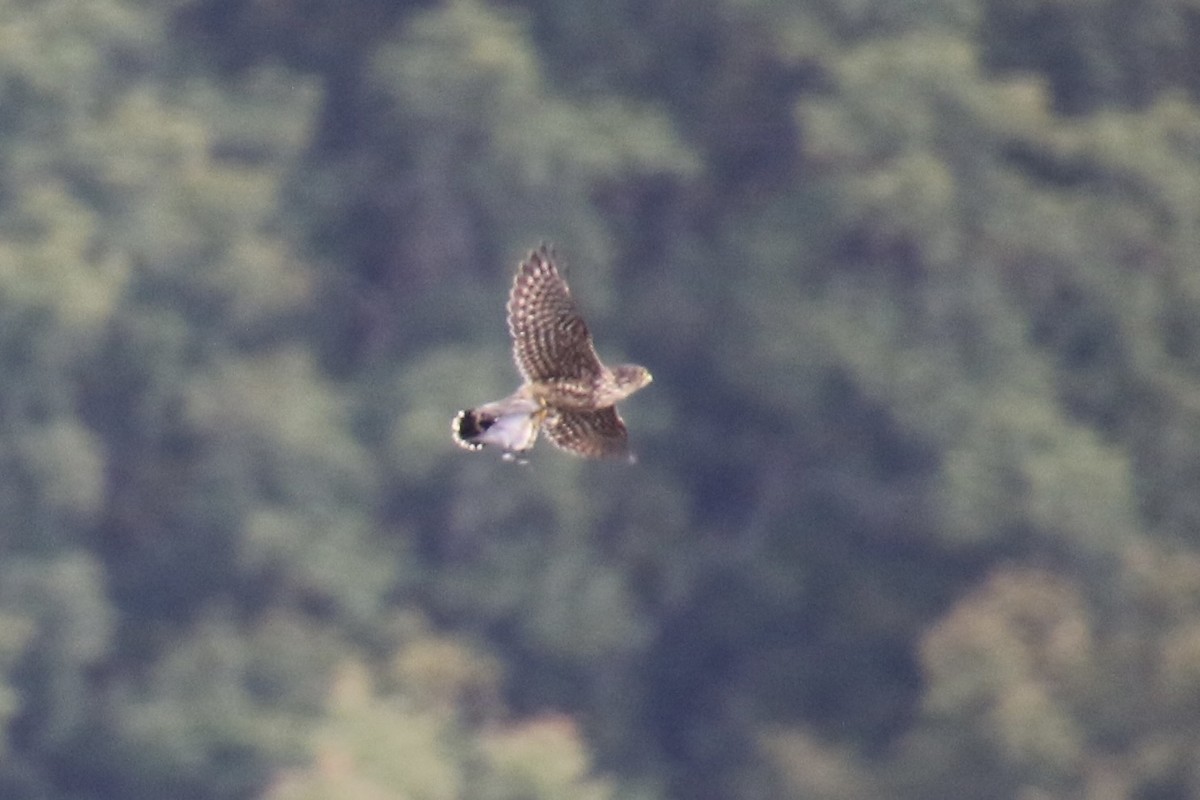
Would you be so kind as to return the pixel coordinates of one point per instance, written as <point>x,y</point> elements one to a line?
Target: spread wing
<point>550,339</point>
<point>591,434</point>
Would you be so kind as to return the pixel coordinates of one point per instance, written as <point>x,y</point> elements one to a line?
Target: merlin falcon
<point>567,392</point>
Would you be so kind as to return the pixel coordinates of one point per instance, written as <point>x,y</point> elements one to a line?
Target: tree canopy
<point>914,514</point>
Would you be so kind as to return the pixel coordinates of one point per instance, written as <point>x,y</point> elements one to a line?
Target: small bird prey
<point>567,391</point>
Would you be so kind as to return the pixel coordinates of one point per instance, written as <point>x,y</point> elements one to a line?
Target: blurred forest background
<point>917,513</point>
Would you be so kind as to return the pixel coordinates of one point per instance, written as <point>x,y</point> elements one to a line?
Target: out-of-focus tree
<point>325,36</point>
<point>915,507</point>
<point>469,145</point>
<point>1031,689</point>
<point>1096,54</point>
<point>160,448</point>
<point>435,729</point>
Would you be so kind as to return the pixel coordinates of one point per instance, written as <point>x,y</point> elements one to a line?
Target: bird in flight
<point>567,391</point>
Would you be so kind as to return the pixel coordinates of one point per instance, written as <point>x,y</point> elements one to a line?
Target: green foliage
<point>411,741</point>
<point>915,512</point>
<point>1095,54</point>
<point>477,152</point>
<point>65,625</point>
<point>214,709</point>
<point>1007,665</point>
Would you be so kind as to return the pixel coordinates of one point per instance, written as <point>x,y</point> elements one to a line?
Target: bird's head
<point>631,377</point>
